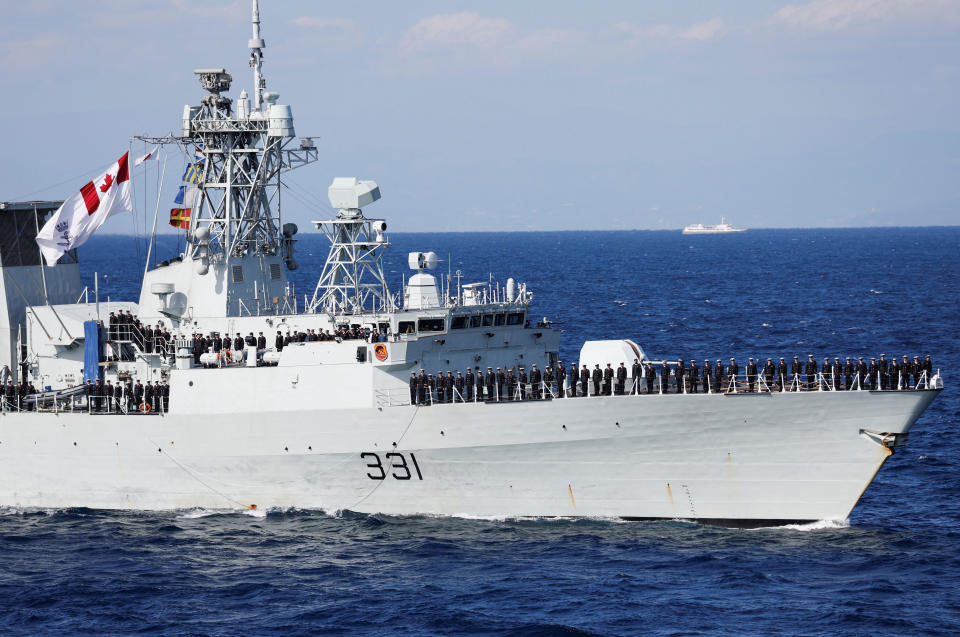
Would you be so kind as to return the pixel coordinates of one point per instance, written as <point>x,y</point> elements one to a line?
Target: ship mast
<point>239,153</point>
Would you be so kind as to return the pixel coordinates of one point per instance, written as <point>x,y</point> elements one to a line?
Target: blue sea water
<point>894,569</point>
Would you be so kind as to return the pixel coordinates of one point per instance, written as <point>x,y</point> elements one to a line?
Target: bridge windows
<point>430,325</point>
<point>458,322</point>
<point>475,320</point>
<point>515,318</point>
<point>407,327</point>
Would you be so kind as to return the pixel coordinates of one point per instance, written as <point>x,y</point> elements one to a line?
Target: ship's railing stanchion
<point>547,389</point>
<point>762,384</point>
<point>660,382</point>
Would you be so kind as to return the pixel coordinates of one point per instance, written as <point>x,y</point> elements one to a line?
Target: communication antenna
<point>256,57</point>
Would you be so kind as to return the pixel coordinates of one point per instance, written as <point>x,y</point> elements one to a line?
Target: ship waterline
<point>738,458</point>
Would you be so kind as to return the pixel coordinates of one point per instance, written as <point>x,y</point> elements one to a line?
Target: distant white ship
<point>721,228</point>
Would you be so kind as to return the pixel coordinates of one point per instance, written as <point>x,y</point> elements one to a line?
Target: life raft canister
<point>380,351</point>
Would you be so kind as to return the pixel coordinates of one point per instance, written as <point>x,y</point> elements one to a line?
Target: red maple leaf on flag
<point>107,182</point>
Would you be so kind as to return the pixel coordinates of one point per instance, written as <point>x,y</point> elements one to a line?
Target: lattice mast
<point>352,281</point>
<point>240,154</point>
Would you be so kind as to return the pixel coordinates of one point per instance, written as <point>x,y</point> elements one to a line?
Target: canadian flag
<point>81,214</point>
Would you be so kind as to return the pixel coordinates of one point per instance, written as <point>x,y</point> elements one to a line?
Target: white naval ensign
<point>84,212</point>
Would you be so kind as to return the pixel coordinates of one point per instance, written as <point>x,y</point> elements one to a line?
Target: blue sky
<point>523,115</point>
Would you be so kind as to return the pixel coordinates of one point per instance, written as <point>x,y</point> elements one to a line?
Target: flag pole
<point>43,268</point>
<point>43,276</point>
<point>156,213</point>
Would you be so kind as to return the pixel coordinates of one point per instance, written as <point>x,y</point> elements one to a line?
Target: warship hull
<point>740,459</point>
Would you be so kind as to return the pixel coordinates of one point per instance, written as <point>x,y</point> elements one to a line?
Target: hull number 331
<point>393,463</point>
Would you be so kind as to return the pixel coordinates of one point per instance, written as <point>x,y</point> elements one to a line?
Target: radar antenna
<point>352,281</point>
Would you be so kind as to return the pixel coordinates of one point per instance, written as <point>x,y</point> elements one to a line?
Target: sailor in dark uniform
<point>872,374</point>
<point>522,382</point>
<point>837,373</point>
<point>511,383</point>
<point>917,368</point>
<point>481,383</point>
<point>148,395</point>
<point>10,395</point>
<point>928,366</point>
<point>607,380</point>
<point>707,376</point>
<point>450,385</point>
<point>108,397</point>
<point>458,384</point>
<point>621,378</point>
<point>733,371</point>
<point>597,379</point>
<point>422,388</point>
<point>501,382</point>
<point>548,381</point>
<point>905,370</point>
<point>650,374</point>
<point>491,385</point>
<point>561,378</point>
<point>574,376</point>
<point>468,384</point>
<point>751,374</point>
<point>796,369</point>
<point>535,379</point>
<point>861,372</point>
<point>884,366</point>
<point>680,376</point>
<point>413,388</point>
<point>769,371</point>
<point>278,342</point>
<point>718,375</point>
<point>848,370</point>
<point>584,381</point>
<point>138,392</point>
<point>894,372</point>
<point>810,370</point>
<point>238,343</point>
<point>636,372</point>
<point>694,374</point>
<point>664,377</point>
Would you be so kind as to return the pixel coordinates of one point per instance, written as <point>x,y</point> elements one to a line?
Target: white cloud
<point>450,30</point>
<point>836,15</point>
<point>665,33</point>
<point>495,41</point>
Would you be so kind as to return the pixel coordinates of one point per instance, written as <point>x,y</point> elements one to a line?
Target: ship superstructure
<point>348,400</point>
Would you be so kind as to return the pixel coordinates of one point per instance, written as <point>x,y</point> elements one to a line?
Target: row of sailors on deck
<point>127,327</point>
<point>14,395</point>
<point>878,374</point>
<point>213,342</point>
<point>128,397</point>
<point>101,397</point>
<point>515,384</point>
